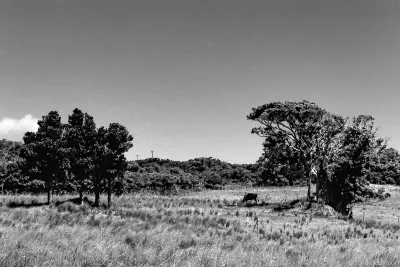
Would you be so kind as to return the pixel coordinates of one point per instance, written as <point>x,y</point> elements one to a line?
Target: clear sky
<point>182,75</point>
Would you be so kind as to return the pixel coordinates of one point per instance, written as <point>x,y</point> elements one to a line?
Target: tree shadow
<point>278,206</point>
<point>288,205</point>
<point>76,201</point>
<point>25,205</point>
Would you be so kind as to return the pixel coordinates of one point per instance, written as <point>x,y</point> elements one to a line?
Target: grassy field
<point>210,228</point>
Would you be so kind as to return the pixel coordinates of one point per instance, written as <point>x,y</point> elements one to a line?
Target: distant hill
<point>201,173</point>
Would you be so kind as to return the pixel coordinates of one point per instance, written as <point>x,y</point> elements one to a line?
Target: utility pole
<point>152,153</point>
<point>137,157</point>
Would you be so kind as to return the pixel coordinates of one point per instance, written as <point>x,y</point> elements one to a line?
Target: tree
<point>110,161</point>
<point>347,171</point>
<point>10,162</point>
<point>280,167</point>
<point>43,151</point>
<point>384,168</point>
<point>99,164</point>
<point>80,142</point>
<point>300,127</point>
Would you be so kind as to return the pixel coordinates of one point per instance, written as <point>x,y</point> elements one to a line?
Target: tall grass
<point>195,230</point>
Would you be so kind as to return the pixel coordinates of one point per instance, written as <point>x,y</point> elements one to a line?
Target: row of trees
<point>76,154</point>
<point>164,175</point>
<point>303,144</point>
<point>301,137</point>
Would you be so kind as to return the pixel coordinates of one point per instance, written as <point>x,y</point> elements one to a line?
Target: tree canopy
<point>76,155</point>
<point>43,151</point>
<point>335,148</point>
<point>302,129</point>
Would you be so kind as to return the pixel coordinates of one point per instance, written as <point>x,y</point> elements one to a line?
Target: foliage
<point>66,158</point>
<point>301,129</point>
<point>301,139</point>
<point>110,161</point>
<point>10,165</point>
<point>346,181</point>
<point>43,151</point>
<point>384,167</point>
<point>197,173</point>
<point>80,141</point>
<point>279,167</point>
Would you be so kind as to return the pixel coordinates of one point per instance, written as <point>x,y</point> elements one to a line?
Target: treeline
<point>303,144</point>
<point>166,176</point>
<point>72,157</point>
<point>200,173</point>
<point>210,173</point>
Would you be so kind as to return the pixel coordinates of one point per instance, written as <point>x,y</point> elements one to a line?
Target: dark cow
<point>385,196</point>
<point>351,216</point>
<point>249,196</point>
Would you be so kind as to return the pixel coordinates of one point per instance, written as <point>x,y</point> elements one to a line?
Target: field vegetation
<point>210,228</point>
<point>71,198</point>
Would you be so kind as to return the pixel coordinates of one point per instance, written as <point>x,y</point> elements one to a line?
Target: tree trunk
<point>81,188</point>
<point>308,171</point>
<point>318,181</point>
<point>318,186</point>
<point>322,177</point>
<point>307,168</point>
<point>49,191</point>
<point>109,192</point>
<point>96,196</point>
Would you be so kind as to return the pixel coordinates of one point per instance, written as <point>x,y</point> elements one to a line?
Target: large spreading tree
<point>303,128</point>
<point>334,148</point>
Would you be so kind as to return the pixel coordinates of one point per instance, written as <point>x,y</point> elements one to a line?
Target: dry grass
<point>201,229</point>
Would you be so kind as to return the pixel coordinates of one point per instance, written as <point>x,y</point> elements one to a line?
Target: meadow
<point>209,228</point>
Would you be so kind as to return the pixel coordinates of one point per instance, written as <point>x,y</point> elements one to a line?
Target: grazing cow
<point>351,215</point>
<point>385,196</point>
<point>249,196</point>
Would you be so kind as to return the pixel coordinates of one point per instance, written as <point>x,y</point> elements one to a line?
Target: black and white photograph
<point>199,133</point>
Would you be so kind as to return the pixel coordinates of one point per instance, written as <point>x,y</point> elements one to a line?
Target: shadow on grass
<point>76,201</point>
<point>278,206</point>
<point>23,204</point>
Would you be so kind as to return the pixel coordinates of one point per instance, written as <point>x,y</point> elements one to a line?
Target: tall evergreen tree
<point>110,161</point>
<point>80,141</point>
<point>43,151</point>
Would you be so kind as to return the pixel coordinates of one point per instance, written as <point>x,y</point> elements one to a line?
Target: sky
<point>182,75</point>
